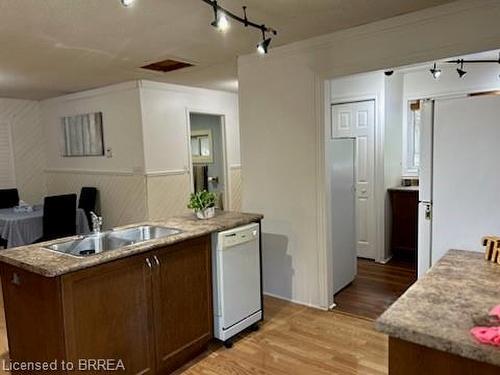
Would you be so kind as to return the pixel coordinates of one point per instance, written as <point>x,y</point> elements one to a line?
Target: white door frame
<point>379,189</point>
<point>226,199</point>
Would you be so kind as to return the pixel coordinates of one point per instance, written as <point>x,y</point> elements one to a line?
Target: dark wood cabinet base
<point>406,358</point>
<point>153,311</point>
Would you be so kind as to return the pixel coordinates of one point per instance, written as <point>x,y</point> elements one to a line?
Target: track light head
<point>461,72</point>
<point>221,22</point>
<point>127,3</point>
<point>389,73</point>
<point>263,46</point>
<point>436,73</point>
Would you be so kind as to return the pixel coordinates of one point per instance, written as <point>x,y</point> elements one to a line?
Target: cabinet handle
<point>148,262</point>
<point>157,261</point>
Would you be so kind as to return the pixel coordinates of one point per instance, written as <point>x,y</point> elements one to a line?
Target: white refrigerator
<point>343,234</point>
<point>459,183</point>
<point>425,186</point>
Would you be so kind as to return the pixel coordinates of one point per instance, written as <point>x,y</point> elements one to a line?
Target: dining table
<point>23,227</point>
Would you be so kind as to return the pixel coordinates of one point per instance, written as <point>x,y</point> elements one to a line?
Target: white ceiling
<point>53,47</point>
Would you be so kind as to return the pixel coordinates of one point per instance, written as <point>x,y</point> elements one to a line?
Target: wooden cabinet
<point>108,313</point>
<point>404,233</point>
<point>153,311</point>
<point>183,303</point>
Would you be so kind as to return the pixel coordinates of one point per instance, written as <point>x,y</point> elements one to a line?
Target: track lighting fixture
<point>127,3</point>
<point>221,22</point>
<point>263,46</point>
<point>436,73</point>
<point>389,73</point>
<point>461,72</point>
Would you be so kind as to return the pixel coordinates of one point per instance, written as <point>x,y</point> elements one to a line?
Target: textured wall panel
<point>168,195</point>
<point>28,147</point>
<point>235,186</point>
<point>122,198</point>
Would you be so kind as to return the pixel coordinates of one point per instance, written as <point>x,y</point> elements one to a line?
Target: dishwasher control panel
<point>238,236</point>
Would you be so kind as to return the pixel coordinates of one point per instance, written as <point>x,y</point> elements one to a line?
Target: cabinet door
<point>182,302</point>
<point>108,314</point>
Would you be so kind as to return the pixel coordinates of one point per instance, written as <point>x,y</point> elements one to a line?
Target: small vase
<point>207,213</point>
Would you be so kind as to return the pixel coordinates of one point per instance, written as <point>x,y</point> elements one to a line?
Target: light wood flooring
<point>293,340</point>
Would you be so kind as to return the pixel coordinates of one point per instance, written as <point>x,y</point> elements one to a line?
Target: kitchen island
<point>429,325</point>
<point>146,307</point>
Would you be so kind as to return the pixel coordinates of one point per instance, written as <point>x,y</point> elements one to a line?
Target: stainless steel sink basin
<point>89,245</point>
<point>105,241</point>
<point>144,233</point>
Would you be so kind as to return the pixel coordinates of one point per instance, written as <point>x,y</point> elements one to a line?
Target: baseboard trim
<point>295,301</point>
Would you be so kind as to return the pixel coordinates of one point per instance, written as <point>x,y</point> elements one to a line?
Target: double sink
<point>111,240</point>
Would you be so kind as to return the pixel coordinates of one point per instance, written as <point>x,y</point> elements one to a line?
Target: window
<point>83,135</point>
<point>7,176</point>
<point>412,143</point>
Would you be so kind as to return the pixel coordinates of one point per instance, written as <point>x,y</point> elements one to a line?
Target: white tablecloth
<point>23,228</point>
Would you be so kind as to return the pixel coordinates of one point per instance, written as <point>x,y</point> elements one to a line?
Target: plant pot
<point>207,213</point>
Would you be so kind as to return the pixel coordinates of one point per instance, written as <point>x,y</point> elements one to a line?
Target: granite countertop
<point>50,263</point>
<point>439,309</point>
<point>404,188</point>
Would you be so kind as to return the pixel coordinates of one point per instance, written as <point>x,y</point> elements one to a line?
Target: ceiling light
<point>436,73</point>
<point>221,22</point>
<point>127,3</point>
<point>263,46</point>
<point>461,72</point>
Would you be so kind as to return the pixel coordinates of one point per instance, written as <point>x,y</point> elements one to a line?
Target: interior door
<point>465,173</point>
<point>342,180</point>
<point>357,120</point>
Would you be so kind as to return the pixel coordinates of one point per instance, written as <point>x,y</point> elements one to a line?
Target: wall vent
<point>166,66</point>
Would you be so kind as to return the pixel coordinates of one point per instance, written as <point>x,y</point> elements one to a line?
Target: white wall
<point>165,109</point>
<point>282,126</point>
<point>480,77</point>
<point>145,124</point>
<point>27,147</point>
<point>120,107</point>
<point>164,115</point>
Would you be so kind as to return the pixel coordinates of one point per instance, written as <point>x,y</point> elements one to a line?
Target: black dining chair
<point>9,198</point>
<point>59,217</point>
<point>87,201</point>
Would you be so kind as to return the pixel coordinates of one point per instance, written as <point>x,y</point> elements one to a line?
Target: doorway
<point>360,284</point>
<point>356,120</point>
<point>439,133</point>
<point>208,155</point>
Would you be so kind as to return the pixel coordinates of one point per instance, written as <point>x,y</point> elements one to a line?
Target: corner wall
<point>165,109</point>
<point>28,147</point>
<point>119,178</point>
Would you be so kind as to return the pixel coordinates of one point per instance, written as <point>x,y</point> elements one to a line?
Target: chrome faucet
<point>96,222</point>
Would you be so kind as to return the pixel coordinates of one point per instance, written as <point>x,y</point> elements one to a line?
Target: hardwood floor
<point>300,340</point>
<point>376,287</point>
<point>294,339</point>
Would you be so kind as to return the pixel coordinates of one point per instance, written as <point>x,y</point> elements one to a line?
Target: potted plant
<point>203,204</point>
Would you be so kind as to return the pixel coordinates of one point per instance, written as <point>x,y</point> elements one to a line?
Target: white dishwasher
<point>236,281</point>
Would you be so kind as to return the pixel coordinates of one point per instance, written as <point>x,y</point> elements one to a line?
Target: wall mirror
<point>201,146</point>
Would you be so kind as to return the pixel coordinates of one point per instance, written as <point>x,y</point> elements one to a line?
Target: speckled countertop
<point>49,263</point>
<point>439,309</point>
